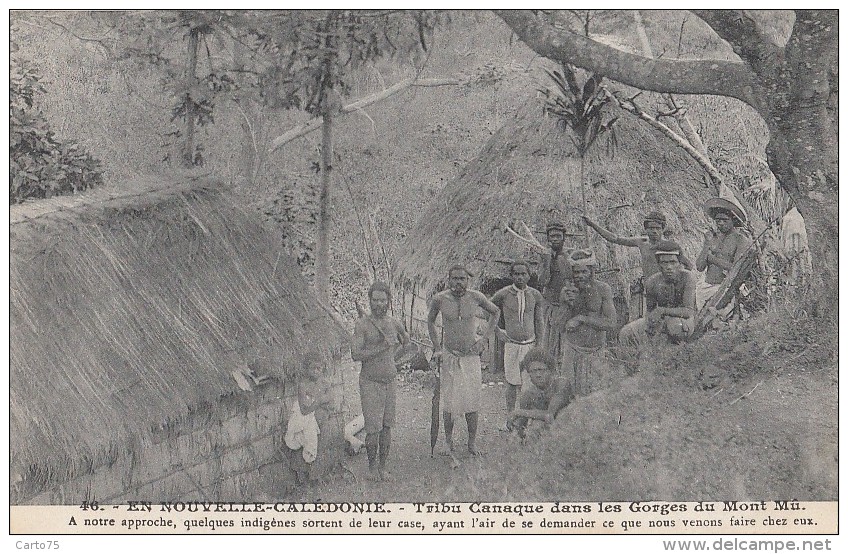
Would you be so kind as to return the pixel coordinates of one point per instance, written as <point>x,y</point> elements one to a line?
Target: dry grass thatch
<point>530,171</point>
<point>129,311</point>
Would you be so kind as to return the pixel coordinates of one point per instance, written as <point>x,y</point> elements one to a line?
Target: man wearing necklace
<point>458,348</point>
<point>522,308</point>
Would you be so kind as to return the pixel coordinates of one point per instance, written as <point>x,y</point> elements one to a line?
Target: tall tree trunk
<point>322,247</point>
<point>191,77</point>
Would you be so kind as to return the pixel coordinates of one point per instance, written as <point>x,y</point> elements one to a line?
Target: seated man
<point>545,394</point>
<point>670,298</point>
<point>654,224</point>
<point>722,249</point>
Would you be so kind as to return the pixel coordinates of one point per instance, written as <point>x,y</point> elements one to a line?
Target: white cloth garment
<point>302,432</point>
<point>522,302</point>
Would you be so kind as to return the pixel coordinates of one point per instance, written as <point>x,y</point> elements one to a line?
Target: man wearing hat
<point>592,314</point>
<point>670,299</point>
<point>555,271</point>
<point>654,224</point>
<point>722,248</point>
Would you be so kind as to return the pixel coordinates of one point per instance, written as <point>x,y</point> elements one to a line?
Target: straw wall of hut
<point>529,171</point>
<point>131,310</point>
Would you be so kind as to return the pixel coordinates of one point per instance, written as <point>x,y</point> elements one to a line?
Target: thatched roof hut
<point>530,171</point>
<point>129,311</point>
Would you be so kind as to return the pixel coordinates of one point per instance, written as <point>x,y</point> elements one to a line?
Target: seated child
<point>545,394</point>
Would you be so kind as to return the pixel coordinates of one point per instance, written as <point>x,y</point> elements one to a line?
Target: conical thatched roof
<point>130,310</point>
<point>530,171</point>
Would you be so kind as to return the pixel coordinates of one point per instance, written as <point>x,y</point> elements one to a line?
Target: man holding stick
<point>722,248</point>
<point>458,351</point>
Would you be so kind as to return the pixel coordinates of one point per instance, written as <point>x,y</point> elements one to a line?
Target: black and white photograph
<point>453,264</point>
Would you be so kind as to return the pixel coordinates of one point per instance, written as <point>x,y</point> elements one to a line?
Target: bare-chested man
<point>670,296</point>
<point>459,351</point>
<point>721,249</point>
<point>522,308</point>
<point>376,337</point>
<point>592,314</point>
<point>654,224</point>
<point>554,272</point>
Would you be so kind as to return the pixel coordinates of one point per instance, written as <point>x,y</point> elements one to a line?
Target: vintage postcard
<point>346,271</point>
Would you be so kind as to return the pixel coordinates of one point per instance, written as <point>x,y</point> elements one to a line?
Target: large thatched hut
<point>530,172</point>
<point>139,320</point>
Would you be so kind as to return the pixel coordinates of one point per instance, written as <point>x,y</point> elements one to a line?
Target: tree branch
<point>744,35</point>
<point>315,124</point>
<point>698,156</point>
<point>678,114</point>
<point>719,77</point>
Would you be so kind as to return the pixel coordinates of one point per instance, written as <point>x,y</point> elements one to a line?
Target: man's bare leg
<point>511,396</point>
<point>448,419</point>
<point>372,441</point>
<point>471,420</point>
<point>385,446</point>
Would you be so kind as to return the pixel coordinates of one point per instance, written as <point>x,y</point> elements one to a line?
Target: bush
<point>40,166</point>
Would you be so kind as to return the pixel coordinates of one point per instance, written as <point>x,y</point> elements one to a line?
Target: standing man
<point>459,351</point>
<point>553,273</point>
<point>721,249</point>
<point>376,337</point>
<point>592,315</point>
<point>670,298</point>
<point>654,224</point>
<point>522,314</point>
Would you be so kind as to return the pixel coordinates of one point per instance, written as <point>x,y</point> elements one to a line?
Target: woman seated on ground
<point>545,393</point>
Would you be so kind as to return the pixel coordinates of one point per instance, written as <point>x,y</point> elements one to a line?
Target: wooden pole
<point>322,247</point>
<point>191,76</point>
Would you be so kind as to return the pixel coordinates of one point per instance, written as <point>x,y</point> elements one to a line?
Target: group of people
<point>555,337</point>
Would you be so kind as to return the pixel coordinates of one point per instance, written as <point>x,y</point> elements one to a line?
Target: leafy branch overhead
<point>582,108</point>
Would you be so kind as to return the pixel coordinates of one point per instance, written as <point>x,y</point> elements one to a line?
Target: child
<point>546,393</point>
<point>311,408</point>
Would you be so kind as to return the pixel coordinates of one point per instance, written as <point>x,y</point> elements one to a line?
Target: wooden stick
<point>536,245</point>
<point>315,124</point>
<point>531,236</point>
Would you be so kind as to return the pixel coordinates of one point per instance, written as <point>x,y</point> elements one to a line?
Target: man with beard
<point>654,224</point>
<point>670,298</point>
<point>721,249</point>
<point>376,337</point>
<point>553,273</point>
<point>522,314</point>
<point>458,350</point>
<point>592,315</point>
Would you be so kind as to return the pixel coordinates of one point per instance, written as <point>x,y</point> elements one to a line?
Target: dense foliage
<point>41,166</point>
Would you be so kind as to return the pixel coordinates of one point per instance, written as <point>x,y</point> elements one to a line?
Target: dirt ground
<point>751,425</point>
<point>417,476</point>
